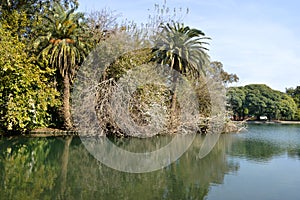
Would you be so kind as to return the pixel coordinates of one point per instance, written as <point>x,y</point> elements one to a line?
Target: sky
<point>259,40</point>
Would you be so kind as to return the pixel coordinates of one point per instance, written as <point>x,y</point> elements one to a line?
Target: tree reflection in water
<point>53,168</point>
<point>62,168</point>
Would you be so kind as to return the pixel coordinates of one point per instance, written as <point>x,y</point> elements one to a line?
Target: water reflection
<point>261,151</point>
<point>62,168</point>
<point>264,142</point>
<point>294,153</point>
<point>28,168</point>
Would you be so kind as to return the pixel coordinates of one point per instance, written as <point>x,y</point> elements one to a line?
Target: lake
<point>261,163</point>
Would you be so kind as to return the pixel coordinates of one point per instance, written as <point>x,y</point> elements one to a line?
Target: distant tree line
<point>295,94</point>
<point>256,100</point>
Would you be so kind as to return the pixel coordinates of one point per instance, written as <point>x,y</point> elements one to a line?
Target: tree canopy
<point>257,100</point>
<point>295,94</point>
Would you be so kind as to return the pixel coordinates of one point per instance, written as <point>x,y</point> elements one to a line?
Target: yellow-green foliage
<point>25,92</point>
<point>15,22</point>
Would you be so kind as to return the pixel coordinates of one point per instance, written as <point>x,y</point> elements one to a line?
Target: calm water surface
<point>262,163</point>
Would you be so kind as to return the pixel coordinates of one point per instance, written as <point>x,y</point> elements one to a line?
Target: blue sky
<point>259,40</point>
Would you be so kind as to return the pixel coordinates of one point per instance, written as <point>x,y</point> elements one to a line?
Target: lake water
<point>262,163</point>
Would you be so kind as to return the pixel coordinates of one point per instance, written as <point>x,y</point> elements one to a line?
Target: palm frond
<point>59,39</point>
<point>183,48</point>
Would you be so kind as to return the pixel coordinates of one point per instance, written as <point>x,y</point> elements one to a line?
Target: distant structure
<point>263,118</point>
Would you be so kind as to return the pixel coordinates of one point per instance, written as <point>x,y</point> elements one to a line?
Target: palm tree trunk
<point>173,105</point>
<point>66,103</point>
<point>174,97</point>
<point>173,113</point>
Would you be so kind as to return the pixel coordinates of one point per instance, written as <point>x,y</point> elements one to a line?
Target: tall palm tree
<point>182,49</point>
<point>63,42</point>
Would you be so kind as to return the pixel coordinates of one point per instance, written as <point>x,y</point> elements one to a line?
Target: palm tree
<point>63,42</point>
<point>182,49</point>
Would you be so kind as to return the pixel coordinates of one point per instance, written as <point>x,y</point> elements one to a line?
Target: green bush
<point>25,90</point>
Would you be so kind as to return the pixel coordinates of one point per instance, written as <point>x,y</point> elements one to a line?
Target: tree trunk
<point>173,105</point>
<point>66,103</point>
<point>173,114</point>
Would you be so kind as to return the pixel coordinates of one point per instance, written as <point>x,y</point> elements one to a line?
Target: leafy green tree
<point>236,99</point>
<point>255,101</point>
<point>31,10</point>
<point>15,22</point>
<point>32,6</point>
<point>63,41</point>
<point>25,93</point>
<point>288,107</point>
<point>295,94</point>
<point>260,100</point>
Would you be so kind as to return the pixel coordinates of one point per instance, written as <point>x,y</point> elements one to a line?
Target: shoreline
<point>52,132</point>
<point>273,122</point>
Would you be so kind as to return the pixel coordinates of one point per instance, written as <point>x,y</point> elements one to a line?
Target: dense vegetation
<point>295,94</point>
<point>44,43</point>
<point>27,92</point>
<point>257,100</point>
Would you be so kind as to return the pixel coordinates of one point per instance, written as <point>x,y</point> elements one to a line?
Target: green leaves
<point>261,100</point>
<point>25,92</point>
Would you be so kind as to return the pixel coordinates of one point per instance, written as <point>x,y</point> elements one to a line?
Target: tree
<point>295,94</point>
<point>102,24</point>
<point>218,69</point>
<point>236,99</point>
<point>29,9</point>
<point>25,93</point>
<point>182,49</point>
<point>260,100</point>
<point>64,43</point>
<point>31,6</point>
